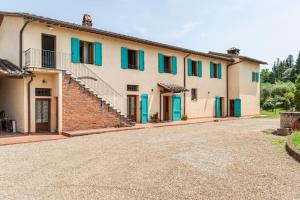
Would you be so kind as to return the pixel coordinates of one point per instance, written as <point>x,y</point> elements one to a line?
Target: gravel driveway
<point>224,160</point>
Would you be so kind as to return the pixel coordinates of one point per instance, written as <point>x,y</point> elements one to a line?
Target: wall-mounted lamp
<point>44,81</point>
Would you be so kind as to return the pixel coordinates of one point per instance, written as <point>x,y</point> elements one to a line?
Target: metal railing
<point>36,58</point>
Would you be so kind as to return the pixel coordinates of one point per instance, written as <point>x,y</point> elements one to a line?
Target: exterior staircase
<point>84,76</point>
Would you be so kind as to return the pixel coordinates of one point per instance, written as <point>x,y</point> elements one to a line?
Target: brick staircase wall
<point>83,110</point>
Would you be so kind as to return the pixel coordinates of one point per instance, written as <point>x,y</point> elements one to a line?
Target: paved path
<point>224,160</point>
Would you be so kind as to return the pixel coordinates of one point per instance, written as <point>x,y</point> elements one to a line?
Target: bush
<point>297,94</point>
<point>269,104</point>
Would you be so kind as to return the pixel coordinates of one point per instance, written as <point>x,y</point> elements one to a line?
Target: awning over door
<point>9,69</point>
<point>167,87</point>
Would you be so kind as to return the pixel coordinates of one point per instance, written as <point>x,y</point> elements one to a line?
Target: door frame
<point>231,107</point>
<point>54,37</point>
<point>49,114</point>
<point>136,104</point>
<point>167,116</point>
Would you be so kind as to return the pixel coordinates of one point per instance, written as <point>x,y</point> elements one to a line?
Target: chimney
<point>233,51</point>
<point>87,20</point>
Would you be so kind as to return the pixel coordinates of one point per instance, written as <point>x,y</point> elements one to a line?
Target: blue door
<point>176,108</point>
<point>237,107</point>
<point>144,108</point>
<point>218,106</point>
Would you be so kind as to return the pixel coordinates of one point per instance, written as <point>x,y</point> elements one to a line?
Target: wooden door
<point>131,107</point>
<point>42,115</point>
<point>166,108</point>
<point>48,51</point>
<point>231,108</point>
<point>176,108</point>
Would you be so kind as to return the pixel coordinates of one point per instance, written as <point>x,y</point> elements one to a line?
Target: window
<point>86,52</point>
<point>133,88</point>
<point>194,68</point>
<point>167,64</point>
<point>194,94</point>
<point>215,70</point>
<point>42,92</point>
<point>132,59</point>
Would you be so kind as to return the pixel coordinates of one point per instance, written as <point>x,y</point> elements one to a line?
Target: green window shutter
<point>219,71</point>
<point>141,60</point>
<point>75,50</point>
<point>98,53</point>
<point>237,107</point>
<point>218,107</point>
<point>144,108</point>
<point>189,67</point>
<point>161,64</point>
<point>174,65</point>
<point>257,77</point>
<point>200,68</point>
<point>212,70</point>
<point>253,77</point>
<point>176,108</point>
<point>124,58</point>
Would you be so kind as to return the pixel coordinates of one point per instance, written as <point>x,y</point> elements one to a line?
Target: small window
<point>42,92</point>
<point>194,68</point>
<point>167,64</point>
<point>133,88</point>
<point>86,52</point>
<point>194,94</point>
<point>215,70</point>
<point>132,59</point>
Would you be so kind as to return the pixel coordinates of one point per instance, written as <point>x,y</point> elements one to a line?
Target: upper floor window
<point>255,77</point>
<point>86,52</point>
<point>215,70</point>
<point>132,59</point>
<point>194,68</point>
<point>167,64</point>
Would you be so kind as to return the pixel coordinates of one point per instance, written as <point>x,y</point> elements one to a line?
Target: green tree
<point>297,94</point>
<point>297,65</point>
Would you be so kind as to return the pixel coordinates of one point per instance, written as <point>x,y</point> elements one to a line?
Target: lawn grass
<point>296,140</point>
<point>279,141</point>
<point>271,114</point>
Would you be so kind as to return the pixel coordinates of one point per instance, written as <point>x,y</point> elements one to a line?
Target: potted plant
<point>154,118</point>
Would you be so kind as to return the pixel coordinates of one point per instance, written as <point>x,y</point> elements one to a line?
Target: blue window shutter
<point>200,68</point>
<point>98,53</point>
<point>237,107</point>
<point>189,61</point>
<point>212,71</point>
<point>144,108</point>
<point>161,64</point>
<point>257,77</point>
<point>124,58</point>
<point>174,65</point>
<point>176,108</point>
<point>75,50</point>
<point>218,107</point>
<point>219,71</point>
<point>141,60</point>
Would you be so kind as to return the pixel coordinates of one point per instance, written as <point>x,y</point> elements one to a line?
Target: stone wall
<point>287,119</point>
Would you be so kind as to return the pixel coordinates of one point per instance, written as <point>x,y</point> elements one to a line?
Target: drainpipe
<point>21,41</point>
<point>29,104</point>
<point>184,83</point>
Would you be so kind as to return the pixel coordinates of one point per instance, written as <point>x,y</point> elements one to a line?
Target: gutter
<point>184,83</point>
<point>21,42</point>
<point>29,104</point>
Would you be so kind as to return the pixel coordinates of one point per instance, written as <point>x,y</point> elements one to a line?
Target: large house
<point>57,76</point>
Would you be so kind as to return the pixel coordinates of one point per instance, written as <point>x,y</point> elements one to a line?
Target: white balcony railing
<point>36,58</point>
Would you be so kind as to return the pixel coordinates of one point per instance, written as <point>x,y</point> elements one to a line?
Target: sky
<point>262,29</point>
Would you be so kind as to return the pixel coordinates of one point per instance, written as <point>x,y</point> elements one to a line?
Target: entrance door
<point>218,106</point>
<point>176,106</point>
<point>231,108</point>
<point>48,51</point>
<point>131,107</point>
<point>144,108</point>
<point>166,108</point>
<point>221,106</point>
<point>42,115</point>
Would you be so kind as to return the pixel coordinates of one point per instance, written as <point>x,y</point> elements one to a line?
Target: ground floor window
<point>194,94</point>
